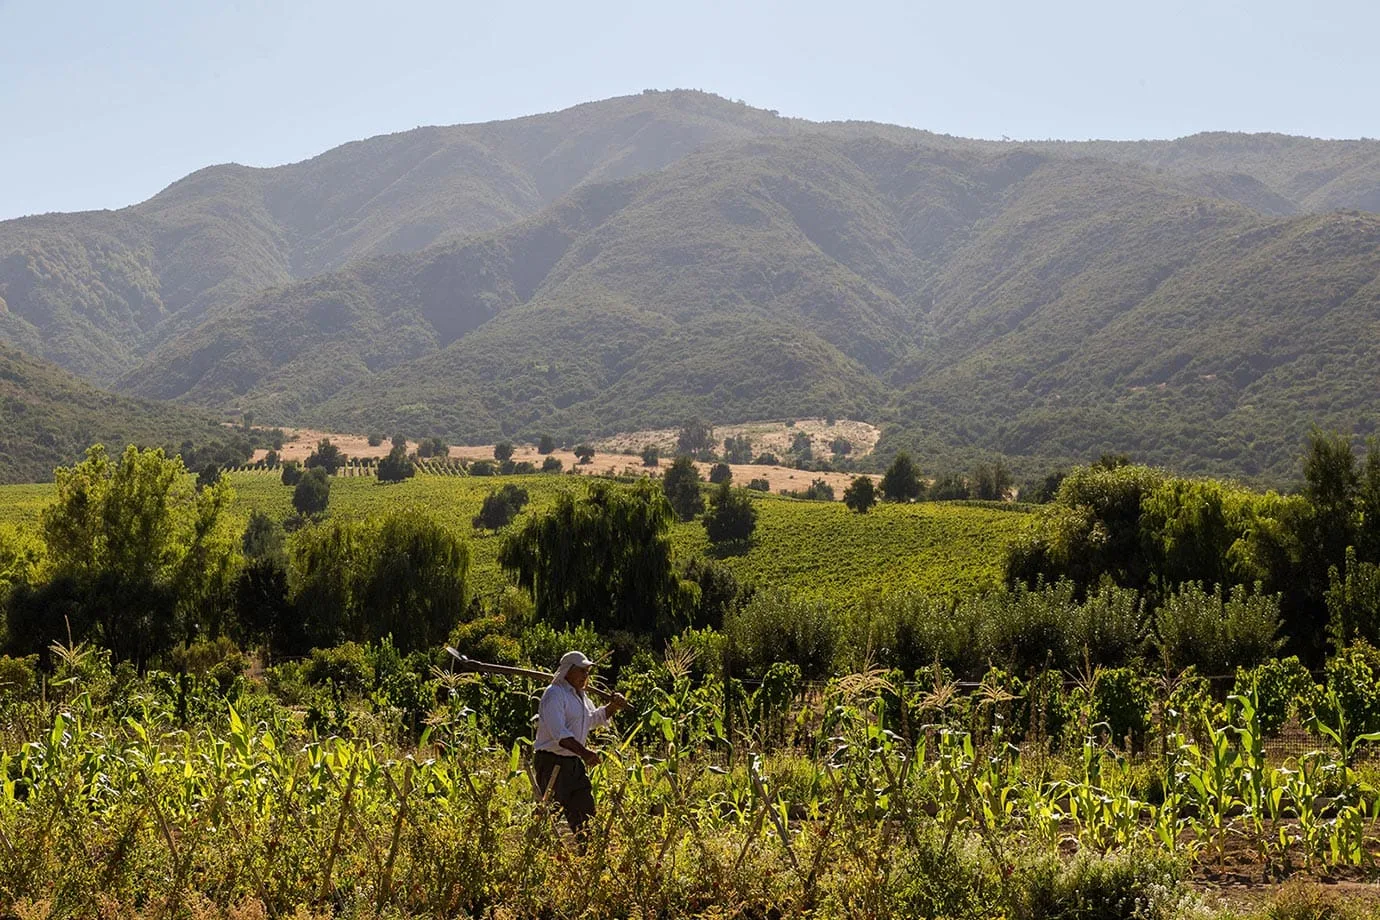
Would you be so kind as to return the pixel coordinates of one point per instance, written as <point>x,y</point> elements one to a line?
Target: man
<point>563,722</point>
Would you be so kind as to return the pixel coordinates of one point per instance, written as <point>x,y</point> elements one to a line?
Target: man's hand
<point>617,703</point>
<point>591,758</point>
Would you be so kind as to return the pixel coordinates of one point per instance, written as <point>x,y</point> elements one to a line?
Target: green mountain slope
<point>48,418</point>
<point>96,291</point>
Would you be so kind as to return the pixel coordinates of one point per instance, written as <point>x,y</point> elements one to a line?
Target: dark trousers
<point>571,789</point>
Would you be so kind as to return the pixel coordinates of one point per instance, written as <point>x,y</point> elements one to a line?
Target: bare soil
<point>606,460</point>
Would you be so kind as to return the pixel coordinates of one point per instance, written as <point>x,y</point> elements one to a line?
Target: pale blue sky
<point>105,102</point>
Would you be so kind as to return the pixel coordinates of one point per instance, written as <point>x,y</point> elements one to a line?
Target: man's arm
<point>591,758</point>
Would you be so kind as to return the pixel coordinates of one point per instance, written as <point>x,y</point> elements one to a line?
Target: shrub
<point>731,517</point>
<point>860,495</point>
<point>773,627</point>
<point>346,666</point>
<point>313,492</point>
<point>1121,699</point>
<point>584,453</point>
<point>1127,886</point>
<point>1218,633</point>
<point>681,484</point>
<point>651,456</point>
<point>767,459</point>
<point>326,457</point>
<point>396,467</point>
<point>500,507</point>
<point>719,473</point>
<point>292,473</point>
<point>759,485</point>
<point>1280,687</point>
<point>552,465</point>
<point>483,468</point>
<point>546,444</point>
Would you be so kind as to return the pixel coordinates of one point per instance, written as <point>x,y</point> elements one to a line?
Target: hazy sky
<point>105,102</point>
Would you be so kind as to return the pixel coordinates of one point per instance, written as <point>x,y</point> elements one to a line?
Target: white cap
<point>572,660</point>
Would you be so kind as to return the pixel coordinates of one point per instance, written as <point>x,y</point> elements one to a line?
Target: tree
<point>681,485</point>
<point>860,495</point>
<point>433,447</point>
<point>720,472</point>
<point>500,507</point>
<point>263,537</point>
<point>552,465</point>
<point>731,517</point>
<point>696,436</point>
<point>585,453</point>
<point>841,446</point>
<point>759,485</point>
<point>292,473</point>
<point>397,466</point>
<point>403,575</point>
<point>604,559</point>
<point>802,446</point>
<point>991,481</point>
<point>902,480</point>
<point>949,487</point>
<point>546,444</point>
<point>375,439</point>
<point>313,492</point>
<point>137,556</point>
<point>767,459</point>
<point>209,476</point>
<point>271,460</point>
<point>503,451</point>
<point>651,456</point>
<point>326,456</point>
<point>400,440</point>
<point>738,449</point>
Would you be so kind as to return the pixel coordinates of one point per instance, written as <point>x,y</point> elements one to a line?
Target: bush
<point>552,465</point>
<point>759,485</point>
<point>375,439</point>
<point>1127,886</point>
<point>326,457</point>
<point>651,456</point>
<point>681,484</point>
<point>503,450</point>
<point>773,627</point>
<point>1280,687</point>
<point>292,473</point>
<point>1121,699</point>
<point>396,467</point>
<point>483,468</point>
<point>313,492</point>
<point>346,666</point>
<point>433,447</point>
<point>767,459</point>
<point>901,483</point>
<point>1218,634</point>
<point>860,495</point>
<point>500,507</point>
<point>18,677</point>
<point>546,444</point>
<point>719,473</point>
<point>731,517</point>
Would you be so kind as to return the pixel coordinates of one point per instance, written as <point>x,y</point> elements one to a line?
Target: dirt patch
<point>767,437</point>
<point>304,440</point>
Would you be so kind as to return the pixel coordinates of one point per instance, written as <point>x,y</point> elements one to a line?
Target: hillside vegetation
<point>48,417</point>
<point>629,263</point>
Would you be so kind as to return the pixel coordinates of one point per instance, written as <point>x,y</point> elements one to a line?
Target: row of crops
<point>161,796</point>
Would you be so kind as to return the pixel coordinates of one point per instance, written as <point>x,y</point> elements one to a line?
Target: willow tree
<point>604,559</point>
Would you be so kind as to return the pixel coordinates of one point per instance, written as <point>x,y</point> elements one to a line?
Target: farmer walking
<point>563,722</point>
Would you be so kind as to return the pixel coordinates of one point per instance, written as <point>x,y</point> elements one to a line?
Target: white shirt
<point>563,713</point>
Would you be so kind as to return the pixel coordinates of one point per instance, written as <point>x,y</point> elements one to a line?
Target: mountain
<point>48,418</point>
<point>624,264</point>
<point>95,291</point>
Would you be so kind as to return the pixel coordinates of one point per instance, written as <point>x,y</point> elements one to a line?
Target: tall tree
<point>902,480</point>
<point>861,494</point>
<point>681,485</point>
<point>731,517</point>
<point>604,559</point>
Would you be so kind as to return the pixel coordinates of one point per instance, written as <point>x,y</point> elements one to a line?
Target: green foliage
<point>860,495</point>
<point>901,483</point>
<point>584,453</point>
<point>604,558</point>
<point>1353,602</point>
<point>1215,633</point>
<point>651,455</point>
<point>313,492</point>
<point>1125,886</point>
<point>551,465</point>
<point>773,627</point>
<point>501,506</point>
<point>1121,701</point>
<point>759,485</point>
<point>1279,685</point>
<point>326,456</point>
<point>818,490</point>
<point>991,481</point>
<point>720,473</point>
<point>546,444</point>
<point>292,473</point>
<point>396,467</point>
<point>731,517</point>
<point>738,449</point>
<point>681,485</point>
<point>402,574</point>
<point>503,451</point>
<point>696,436</point>
<point>135,555</point>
